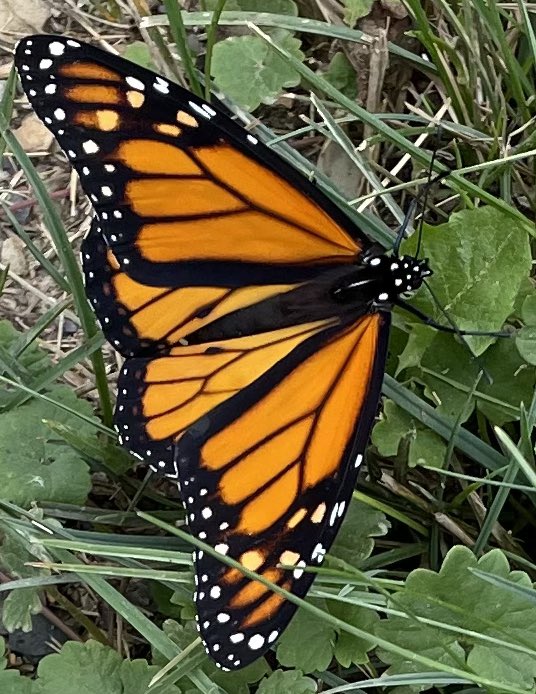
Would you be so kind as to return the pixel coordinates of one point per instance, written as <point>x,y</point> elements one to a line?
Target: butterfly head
<point>379,280</point>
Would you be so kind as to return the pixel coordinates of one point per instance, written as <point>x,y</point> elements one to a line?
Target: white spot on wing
<point>298,573</point>
<point>56,48</point>
<point>256,642</point>
<point>209,110</point>
<point>161,85</point>
<point>134,83</point>
<point>273,635</point>
<point>45,63</point>
<point>90,147</point>
<point>198,109</point>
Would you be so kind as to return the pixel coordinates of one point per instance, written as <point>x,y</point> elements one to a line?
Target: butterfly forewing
<point>182,192</point>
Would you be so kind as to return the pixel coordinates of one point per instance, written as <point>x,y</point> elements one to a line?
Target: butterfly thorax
<point>380,280</point>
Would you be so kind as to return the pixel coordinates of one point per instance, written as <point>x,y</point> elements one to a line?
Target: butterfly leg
<point>454,330</point>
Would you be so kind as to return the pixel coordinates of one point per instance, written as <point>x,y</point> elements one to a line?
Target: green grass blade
<point>69,264</point>
<point>178,32</point>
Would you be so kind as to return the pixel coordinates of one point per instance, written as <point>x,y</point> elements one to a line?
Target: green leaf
<point>355,540</point>
<point>418,342</point>
<point>18,608</point>
<point>480,607</point>
<point>32,360</point>
<point>512,380</point>
<point>11,681</point>
<point>233,682</point>
<point>308,642</point>
<point>528,308</point>
<point>424,446</point>
<point>86,668</point>
<point>350,649</point>
<point>34,464</point>
<point>138,52</point>
<point>19,547</point>
<point>290,682</point>
<point>341,75</point>
<point>480,258</point>
<point>355,9</point>
<point>248,71</point>
<point>526,343</point>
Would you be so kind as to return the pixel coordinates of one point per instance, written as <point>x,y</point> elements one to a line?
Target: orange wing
<point>268,432</point>
<point>142,319</point>
<point>184,196</point>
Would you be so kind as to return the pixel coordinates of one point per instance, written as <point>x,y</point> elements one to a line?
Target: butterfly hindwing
<point>267,476</point>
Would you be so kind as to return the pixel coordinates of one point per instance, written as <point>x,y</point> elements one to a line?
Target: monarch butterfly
<point>253,316</point>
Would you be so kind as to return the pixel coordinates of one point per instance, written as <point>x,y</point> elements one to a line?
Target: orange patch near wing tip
<point>86,70</point>
<point>135,99</point>
<point>93,94</point>
<point>103,119</point>
<point>112,260</point>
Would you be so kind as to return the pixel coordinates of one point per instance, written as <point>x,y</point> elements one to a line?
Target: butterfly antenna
<point>424,195</point>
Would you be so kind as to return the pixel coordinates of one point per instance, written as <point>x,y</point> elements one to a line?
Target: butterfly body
<point>252,314</point>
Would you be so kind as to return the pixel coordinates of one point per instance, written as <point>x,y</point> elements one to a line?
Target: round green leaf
<point>248,71</point>
<point>526,343</point>
<point>479,258</point>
